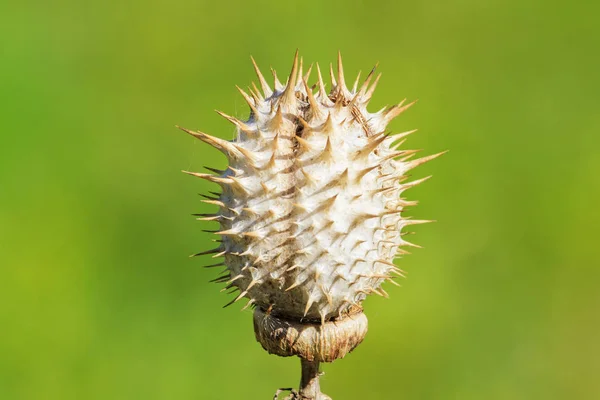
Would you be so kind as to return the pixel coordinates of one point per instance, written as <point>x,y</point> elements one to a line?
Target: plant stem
<point>309,383</point>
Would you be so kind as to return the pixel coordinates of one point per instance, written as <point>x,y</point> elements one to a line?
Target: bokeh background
<point>98,299</point>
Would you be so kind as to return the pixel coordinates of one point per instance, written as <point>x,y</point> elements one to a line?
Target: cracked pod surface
<point>310,212</point>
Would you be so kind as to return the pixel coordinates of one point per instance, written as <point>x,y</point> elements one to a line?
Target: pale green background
<point>98,299</point>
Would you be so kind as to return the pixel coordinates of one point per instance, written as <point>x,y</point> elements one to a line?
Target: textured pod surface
<point>310,212</point>
<point>314,342</point>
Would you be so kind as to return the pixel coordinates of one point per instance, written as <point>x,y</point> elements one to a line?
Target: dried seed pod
<point>310,209</point>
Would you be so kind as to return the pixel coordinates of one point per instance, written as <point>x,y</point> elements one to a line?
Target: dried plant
<point>310,212</point>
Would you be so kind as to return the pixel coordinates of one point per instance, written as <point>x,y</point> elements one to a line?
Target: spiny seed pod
<point>310,211</point>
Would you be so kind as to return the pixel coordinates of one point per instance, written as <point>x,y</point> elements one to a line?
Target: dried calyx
<point>310,211</point>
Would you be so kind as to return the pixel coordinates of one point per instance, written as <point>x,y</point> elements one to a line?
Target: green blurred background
<point>98,299</point>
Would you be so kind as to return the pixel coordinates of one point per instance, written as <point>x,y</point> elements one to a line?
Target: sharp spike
<point>210,178</point>
<point>252,301</point>
<point>396,110</point>
<point>249,100</point>
<point>401,153</point>
<point>392,281</point>
<point>293,285</point>
<point>214,265</point>
<point>216,171</point>
<point>374,142</point>
<point>314,106</point>
<point>414,183</point>
<point>309,303</point>
<point>334,84</point>
<point>263,83</point>
<point>256,93</point>
<point>215,202</point>
<point>309,179</point>
<point>322,92</point>
<point>355,86</point>
<point>423,160</point>
<point>363,172</point>
<point>277,120</point>
<point>277,83</point>
<point>328,127</point>
<point>209,197</point>
<point>245,292</point>
<point>408,222</point>
<point>241,125</point>
<point>402,135</point>
<point>300,70</point>
<point>220,279</point>
<point>228,232</point>
<point>327,154</point>
<point>369,93</point>
<point>288,97</point>
<point>307,75</point>
<point>409,244</point>
<point>220,144</point>
<point>211,251</point>
<point>306,146</point>
<point>365,85</point>
<point>340,73</point>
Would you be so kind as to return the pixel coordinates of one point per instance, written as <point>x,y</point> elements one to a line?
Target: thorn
<point>307,75</point>
<point>334,83</point>
<point>396,110</point>
<point>402,153</point>
<point>252,283</point>
<point>220,144</point>
<point>327,154</point>
<point>211,251</point>
<point>245,292</point>
<point>216,171</point>
<point>355,86</point>
<point>241,125</point>
<point>209,197</point>
<point>215,202</point>
<point>305,144</point>
<point>414,183</point>
<point>214,265</point>
<point>373,143</point>
<point>392,281</point>
<point>371,90</point>
<point>385,262</point>
<point>409,244</point>
<point>408,222</point>
<point>220,279</point>
<point>249,100</point>
<point>228,232</point>
<point>402,135</point>
<point>365,85</point>
<point>293,285</point>
<point>340,70</point>
<point>423,160</point>
<point>256,94</point>
<point>300,69</point>
<point>288,97</point>
<point>328,125</point>
<point>210,178</point>
<point>263,83</point>
<point>252,301</point>
<point>277,84</point>
<point>322,93</point>
<point>309,180</point>
<point>314,106</point>
<point>277,120</point>
<point>363,172</point>
<point>309,303</point>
